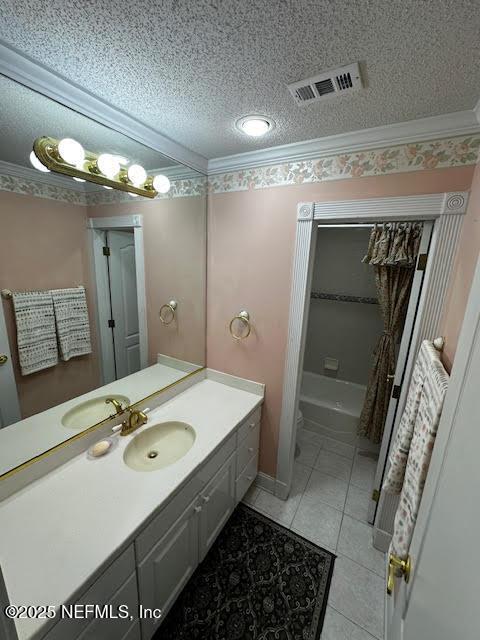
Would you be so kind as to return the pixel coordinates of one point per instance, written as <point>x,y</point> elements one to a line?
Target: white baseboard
<point>266,482</point>
<point>381,539</point>
<point>281,490</point>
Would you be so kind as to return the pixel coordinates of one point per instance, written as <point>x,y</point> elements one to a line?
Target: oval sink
<point>159,446</point>
<point>90,412</point>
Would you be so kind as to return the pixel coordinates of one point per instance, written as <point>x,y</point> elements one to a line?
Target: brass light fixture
<point>67,156</point>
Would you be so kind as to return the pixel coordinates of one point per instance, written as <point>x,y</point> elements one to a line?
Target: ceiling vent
<point>325,85</point>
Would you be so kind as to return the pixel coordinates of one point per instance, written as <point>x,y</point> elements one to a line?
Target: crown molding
<point>33,175</point>
<point>436,127</point>
<point>32,74</point>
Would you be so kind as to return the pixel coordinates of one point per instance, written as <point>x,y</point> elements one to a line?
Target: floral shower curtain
<point>392,250</point>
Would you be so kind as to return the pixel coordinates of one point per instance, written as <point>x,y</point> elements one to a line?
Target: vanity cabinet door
<point>167,568</point>
<point>217,502</point>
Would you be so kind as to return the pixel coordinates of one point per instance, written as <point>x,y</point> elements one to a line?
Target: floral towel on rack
<point>36,337</point>
<point>412,449</point>
<point>71,317</point>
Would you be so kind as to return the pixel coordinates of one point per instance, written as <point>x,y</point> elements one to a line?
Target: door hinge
<point>422,262</point>
<point>396,391</point>
<point>111,324</point>
<point>106,251</point>
<point>375,495</point>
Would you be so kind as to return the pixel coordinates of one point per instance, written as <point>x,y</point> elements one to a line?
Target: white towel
<point>71,317</point>
<point>413,446</point>
<point>36,337</point>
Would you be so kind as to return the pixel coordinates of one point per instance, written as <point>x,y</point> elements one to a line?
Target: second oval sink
<point>159,446</point>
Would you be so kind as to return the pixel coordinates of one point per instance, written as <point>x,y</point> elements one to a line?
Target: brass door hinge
<point>106,251</point>
<point>375,495</point>
<point>422,262</point>
<point>396,391</point>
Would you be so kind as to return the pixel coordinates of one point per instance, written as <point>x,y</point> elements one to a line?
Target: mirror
<point>103,291</point>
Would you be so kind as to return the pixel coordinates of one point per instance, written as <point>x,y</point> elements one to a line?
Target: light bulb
<point>255,126</point>
<point>133,195</point>
<point>137,175</point>
<point>37,164</point>
<point>71,151</point>
<point>161,184</point>
<point>109,165</point>
<point>105,187</point>
<point>79,179</point>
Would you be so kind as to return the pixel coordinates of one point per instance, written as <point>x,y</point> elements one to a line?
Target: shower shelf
<point>337,297</point>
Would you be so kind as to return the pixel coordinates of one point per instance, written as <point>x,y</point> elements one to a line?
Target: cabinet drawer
<point>249,424</point>
<point>247,449</point>
<point>246,478</point>
<point>101,592</point>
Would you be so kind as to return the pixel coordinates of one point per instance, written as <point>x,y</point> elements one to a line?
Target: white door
<point>166,570</point>
<point>124,302</point>
<point>217,503</point>
<point>398,380</point>
<point>441,600</point>
<point>9,405</point>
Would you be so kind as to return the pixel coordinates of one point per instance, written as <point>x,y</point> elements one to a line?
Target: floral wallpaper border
<point>433,154</point>
<point>179,189</point>
<point>41,190</point>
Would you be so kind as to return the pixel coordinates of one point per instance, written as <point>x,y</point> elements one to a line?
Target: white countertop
<point>60,530</point>
<point>28,438</point>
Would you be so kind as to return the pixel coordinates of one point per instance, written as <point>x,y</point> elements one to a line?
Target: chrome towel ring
<point>243,317</point>
<point>170,308</point>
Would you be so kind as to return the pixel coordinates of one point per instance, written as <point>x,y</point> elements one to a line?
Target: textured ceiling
<point>26,115</point>
<point>190,68</point>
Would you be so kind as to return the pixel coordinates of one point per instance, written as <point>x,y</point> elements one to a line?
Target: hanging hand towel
<point>412,449</point>
<point>71,317</point>
<point>36,337</point>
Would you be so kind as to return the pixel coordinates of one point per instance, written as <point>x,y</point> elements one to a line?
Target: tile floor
<point>328,505</point>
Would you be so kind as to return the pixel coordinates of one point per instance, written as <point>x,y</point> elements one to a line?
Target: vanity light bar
<point>48,151</point>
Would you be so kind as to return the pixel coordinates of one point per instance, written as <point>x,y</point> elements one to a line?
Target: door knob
<point>397,568</point>
<point>3,359</point>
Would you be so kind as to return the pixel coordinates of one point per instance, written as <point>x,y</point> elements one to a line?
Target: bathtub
<point>331,407</point>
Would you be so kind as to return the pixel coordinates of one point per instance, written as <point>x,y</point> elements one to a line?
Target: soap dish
<point>100,448</point>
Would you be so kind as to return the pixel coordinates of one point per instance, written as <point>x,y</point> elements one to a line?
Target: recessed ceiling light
<point>255,126</point>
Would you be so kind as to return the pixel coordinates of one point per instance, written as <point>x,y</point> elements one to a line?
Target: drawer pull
<point>206,498</point>
<point>197,509</point>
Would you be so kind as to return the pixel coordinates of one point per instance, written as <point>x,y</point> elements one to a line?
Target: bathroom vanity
<point>96,531</point>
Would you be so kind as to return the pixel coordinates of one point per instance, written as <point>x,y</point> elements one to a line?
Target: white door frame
<point>97,226</point>
<point>447,210</point>
<point>9,411</point>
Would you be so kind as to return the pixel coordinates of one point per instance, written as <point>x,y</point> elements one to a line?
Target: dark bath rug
<point>259,581</point>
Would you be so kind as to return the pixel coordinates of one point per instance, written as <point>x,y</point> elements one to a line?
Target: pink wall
<point>250,248</point>
<point>44,246</point>
<point>175,267</point>
<point>461,281</point>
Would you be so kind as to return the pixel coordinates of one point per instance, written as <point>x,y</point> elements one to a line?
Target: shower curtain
<point>392,251</point>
